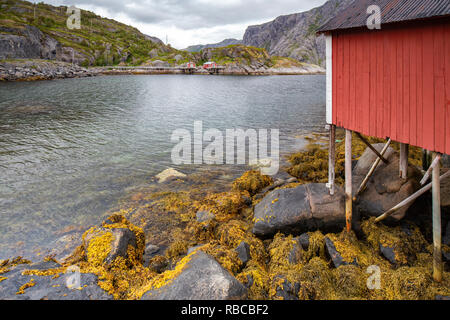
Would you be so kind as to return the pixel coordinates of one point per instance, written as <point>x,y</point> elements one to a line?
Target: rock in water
<point>305,208</point>
<point>169,174</point>
<point>48,287</point>
<point>201,278</point>
<point>385,189</point>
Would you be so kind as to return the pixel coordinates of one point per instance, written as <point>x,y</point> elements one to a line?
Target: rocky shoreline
<point>33,70</point>
<point>265,238</point>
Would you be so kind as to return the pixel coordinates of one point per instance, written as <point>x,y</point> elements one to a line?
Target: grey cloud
<point>195,14</point>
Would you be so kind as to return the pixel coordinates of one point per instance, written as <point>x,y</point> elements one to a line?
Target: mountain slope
<point>39,31</point>
<point>224,43</point>
<point>294,35</point>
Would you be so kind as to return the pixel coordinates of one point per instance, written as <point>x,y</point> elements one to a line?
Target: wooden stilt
<point>437,230</point>
<point>332,160</point>
<point>372,170</point>
<point>371,147</point>
<point>404,154</point>
<point>348,180</point>
<point>410,199</point>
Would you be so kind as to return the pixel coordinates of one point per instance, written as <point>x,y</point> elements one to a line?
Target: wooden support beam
<point>372,170</point>
<point>404,154</point>
<point>348,180</point>
<point>437,229</point>
<point>332,160</point>
<point>427,174</point>
<point>371,147</point>
<point>410,199</point>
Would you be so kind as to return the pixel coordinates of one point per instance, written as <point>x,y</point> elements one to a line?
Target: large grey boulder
<point>202,278</point>
<point>305,208</point>
<point>385,189</point>
<point>48,288</point>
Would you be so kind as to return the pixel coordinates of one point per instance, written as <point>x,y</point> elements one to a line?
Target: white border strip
<point>329,63</point>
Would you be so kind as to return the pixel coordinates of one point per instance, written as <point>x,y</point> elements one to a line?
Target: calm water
<point>70,149</point>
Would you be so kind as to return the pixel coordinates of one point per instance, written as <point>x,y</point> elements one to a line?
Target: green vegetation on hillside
<point>100,40</point>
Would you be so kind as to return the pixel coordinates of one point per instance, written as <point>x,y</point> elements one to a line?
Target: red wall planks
<point>447,87</point>
<point>395,83</point>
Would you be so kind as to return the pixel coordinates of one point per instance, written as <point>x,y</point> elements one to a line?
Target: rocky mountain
<point>39,31</point>
<point>294,35</point>
<point>224,43</point>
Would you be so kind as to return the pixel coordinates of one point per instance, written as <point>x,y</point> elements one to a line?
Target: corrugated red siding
<point>395,83</point>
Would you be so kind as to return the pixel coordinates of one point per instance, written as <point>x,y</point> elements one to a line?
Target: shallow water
<point>70,149</point>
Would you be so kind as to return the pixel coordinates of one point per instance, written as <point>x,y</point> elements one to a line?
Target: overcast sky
<point>189,22</point>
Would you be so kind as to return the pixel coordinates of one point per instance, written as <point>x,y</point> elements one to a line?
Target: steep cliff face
<point>27,42</point>
<point>294,35</point>
<point>39,31</point>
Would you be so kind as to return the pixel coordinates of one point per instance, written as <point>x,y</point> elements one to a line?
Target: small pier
<point>162,70</point>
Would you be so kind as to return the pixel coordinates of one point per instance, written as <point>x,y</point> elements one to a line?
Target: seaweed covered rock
<point>223,206</point>
<point>47,280</point>
<point>196,277</point>
<point>385,188</point>
<point>399,245</point>
<point>301,209</point>
<point>346,249</point>
<point>252,181</point>
<point>117,241</point>
<point>284,289</point>
<point>335,256</point>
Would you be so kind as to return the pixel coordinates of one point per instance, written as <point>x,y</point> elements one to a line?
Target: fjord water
<point>70,149</point>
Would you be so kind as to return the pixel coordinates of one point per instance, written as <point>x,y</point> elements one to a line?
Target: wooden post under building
<point>348,180</point>
<point>437,230</point>
<point>404,155</point>
<point>332,160</point>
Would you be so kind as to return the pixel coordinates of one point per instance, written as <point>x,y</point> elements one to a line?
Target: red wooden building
<point>191,65</point>
<point>391,82</point>
<point>210,65</point>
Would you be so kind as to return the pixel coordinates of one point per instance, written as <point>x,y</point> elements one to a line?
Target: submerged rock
<point>200,278</point>
<point>39,283</point>
<point>169,174</point>
<point>305,208</point>
<point>385,188</point>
